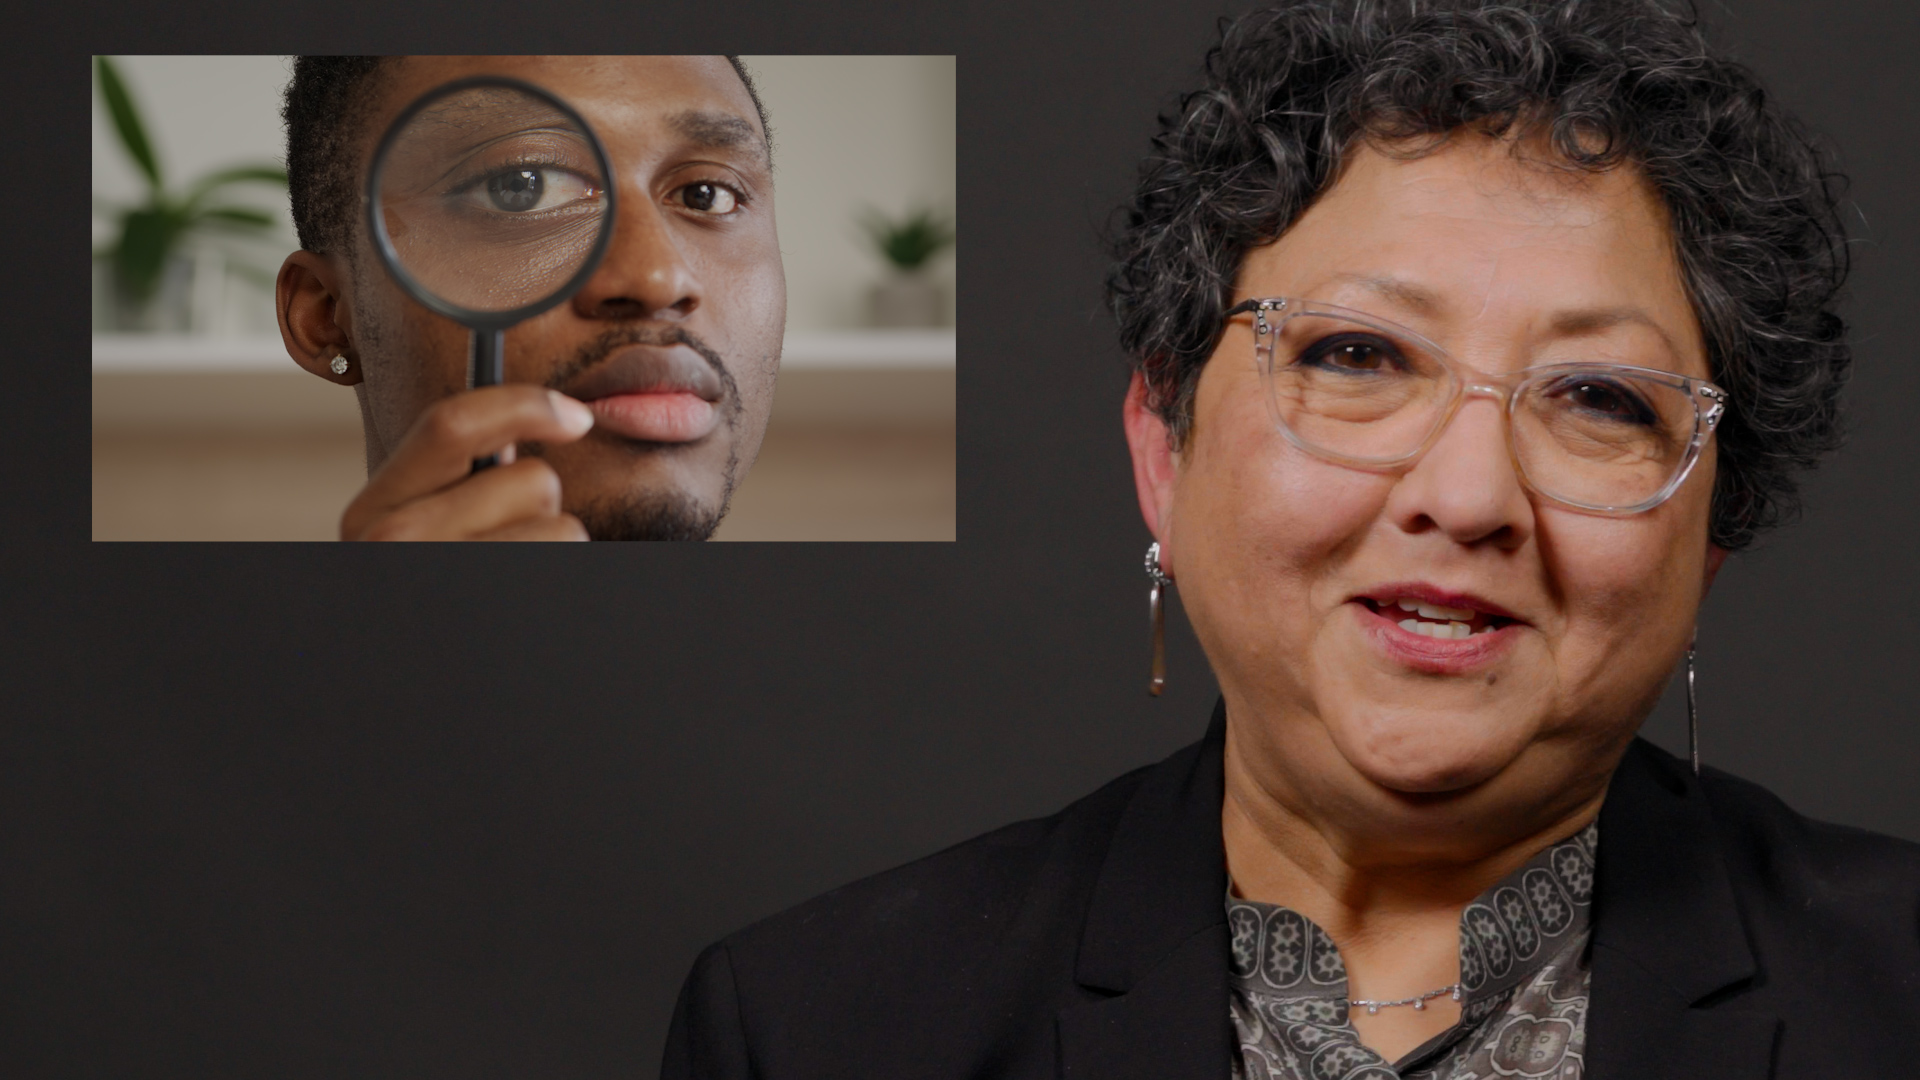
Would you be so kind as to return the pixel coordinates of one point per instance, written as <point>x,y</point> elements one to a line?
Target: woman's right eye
<point>1352,353</point>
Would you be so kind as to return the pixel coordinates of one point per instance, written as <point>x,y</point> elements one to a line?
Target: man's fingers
<point>558,527</point>
<point>440,448</point>
<point>498,498</point>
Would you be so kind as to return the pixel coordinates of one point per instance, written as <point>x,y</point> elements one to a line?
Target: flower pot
<point>168,311</point>
<point>907,300</point>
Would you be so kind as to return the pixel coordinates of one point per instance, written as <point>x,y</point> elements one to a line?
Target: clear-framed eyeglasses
<point>1358,390</point>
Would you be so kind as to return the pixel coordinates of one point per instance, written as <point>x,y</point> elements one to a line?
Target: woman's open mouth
<point>1437,631</point>
<point>1435,620</point>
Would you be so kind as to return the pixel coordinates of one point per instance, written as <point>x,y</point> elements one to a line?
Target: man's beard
<point>665,516</point>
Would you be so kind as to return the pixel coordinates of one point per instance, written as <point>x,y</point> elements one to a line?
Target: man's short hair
<point>328,102</point>
<point>1291,91</point>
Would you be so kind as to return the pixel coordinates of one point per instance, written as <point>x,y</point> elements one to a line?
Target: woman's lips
<point>1434,656</point>
<point>666,417</point>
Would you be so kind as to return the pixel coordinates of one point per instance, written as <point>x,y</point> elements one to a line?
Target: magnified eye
<point>709,198</point>
<point>518,190</point>
<point>525,189</point>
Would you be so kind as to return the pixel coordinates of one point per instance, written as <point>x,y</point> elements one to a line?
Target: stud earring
<point>1693,716</point>
<point>339,364</point>
<point>1157,611</point>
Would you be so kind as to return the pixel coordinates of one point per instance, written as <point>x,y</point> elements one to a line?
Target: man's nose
<point>1465,484</point>
<point>646,273</point>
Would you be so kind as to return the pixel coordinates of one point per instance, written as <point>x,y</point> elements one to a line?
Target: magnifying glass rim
<point>382,243</point>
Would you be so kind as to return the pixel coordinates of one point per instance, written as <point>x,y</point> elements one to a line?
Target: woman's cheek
<point>1629,587</point>
<point>1260,524</point>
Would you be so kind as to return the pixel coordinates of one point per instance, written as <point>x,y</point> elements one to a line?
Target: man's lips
<point>652,393</point>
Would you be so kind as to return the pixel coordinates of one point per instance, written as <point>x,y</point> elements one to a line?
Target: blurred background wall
<point>204,429</point>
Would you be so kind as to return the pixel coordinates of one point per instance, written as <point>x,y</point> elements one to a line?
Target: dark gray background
<point>315,811</point>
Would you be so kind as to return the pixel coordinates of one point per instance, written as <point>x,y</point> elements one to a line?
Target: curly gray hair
<point>1752,202</point>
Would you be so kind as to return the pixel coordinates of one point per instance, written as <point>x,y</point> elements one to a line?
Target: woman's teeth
<point>1453,623</point>
<point>1453,630</point>
<point>1435,611</point>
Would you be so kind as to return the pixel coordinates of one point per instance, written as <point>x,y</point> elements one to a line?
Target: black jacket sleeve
<point>705,1040</point>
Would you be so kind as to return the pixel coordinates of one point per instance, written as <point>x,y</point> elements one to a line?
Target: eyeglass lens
<point>1590,434</point>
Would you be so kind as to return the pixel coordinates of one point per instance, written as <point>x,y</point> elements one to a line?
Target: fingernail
<point>573,416</point>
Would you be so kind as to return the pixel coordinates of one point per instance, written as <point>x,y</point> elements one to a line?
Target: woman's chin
<point>1428,754</point>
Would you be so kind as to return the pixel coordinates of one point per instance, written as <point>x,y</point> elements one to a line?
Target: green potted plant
<point>149,273</point>
<point>908,244</point>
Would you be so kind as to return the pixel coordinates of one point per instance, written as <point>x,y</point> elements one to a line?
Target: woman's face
<point>1282,558</point>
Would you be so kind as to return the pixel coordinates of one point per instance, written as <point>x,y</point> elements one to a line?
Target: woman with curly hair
<point>1468,339</point>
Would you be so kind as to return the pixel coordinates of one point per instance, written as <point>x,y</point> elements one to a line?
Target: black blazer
<point>1731,938</point>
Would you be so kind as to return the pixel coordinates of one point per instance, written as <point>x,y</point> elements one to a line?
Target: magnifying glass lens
<point>492,198</point>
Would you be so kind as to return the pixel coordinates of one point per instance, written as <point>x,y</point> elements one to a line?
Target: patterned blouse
<point>1523,964</point>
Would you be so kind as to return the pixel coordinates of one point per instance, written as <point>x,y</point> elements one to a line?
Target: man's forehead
<point>698,98</point>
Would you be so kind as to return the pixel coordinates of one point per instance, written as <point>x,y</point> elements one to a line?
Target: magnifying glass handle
<point>487,347</point>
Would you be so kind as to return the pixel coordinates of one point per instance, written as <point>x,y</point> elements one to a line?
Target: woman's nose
<point>646,273</point>
<point>1465,484</point>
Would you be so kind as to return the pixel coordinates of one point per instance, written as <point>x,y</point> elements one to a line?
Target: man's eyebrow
<point>719,131</point>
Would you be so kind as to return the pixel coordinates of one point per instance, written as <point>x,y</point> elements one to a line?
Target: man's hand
<point>427,491</point>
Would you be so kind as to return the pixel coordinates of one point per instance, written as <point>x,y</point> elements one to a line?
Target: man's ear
<point>315,322</point>
<point>1716,558</point>
<point>1155,468</point>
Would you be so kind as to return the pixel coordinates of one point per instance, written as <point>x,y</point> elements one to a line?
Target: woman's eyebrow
<point>1569,323</point>
<point>719,131</point>
<point>1397,290</point>
<point>1593,320</point>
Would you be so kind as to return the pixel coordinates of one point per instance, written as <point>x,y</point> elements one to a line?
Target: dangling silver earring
<point>339,364</point>
<point>1156,609</point>
<point>1693,716</point>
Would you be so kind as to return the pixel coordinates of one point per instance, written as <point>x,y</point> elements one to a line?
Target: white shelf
<point>823,350</point>
<point>897,349</point>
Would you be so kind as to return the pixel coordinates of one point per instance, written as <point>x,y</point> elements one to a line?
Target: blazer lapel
<point>1155,938</point>
<point>1670,954</point>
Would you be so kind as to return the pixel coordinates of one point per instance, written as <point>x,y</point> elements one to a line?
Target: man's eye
<point>522,190</point>
<point>516,190</point>
<point>709,198</point>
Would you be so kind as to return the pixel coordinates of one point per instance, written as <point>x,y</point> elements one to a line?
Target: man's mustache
<point>596,352</point>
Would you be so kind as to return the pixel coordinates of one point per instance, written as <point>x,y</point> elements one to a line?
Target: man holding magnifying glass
<point>630,410</point>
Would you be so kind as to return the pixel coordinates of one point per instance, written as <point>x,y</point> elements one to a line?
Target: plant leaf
<point>147,235</point>
<point>253,273</point>
<point>237,216</point>
<point>909,242</point>
<point>265,174</point>
<point>126,120</point>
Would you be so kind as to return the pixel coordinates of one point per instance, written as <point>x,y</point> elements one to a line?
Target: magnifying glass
<point>490,200</point>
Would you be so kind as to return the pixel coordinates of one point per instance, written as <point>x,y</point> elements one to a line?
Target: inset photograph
<point>524,298</point>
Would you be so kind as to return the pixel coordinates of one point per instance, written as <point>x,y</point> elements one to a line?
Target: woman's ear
<point>1716,558</point>
<point>1155,468</point>
<point>315,323</point>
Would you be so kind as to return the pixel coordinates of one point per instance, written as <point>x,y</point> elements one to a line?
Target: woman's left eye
<point>1604,398</point>
<point>709,198</point>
